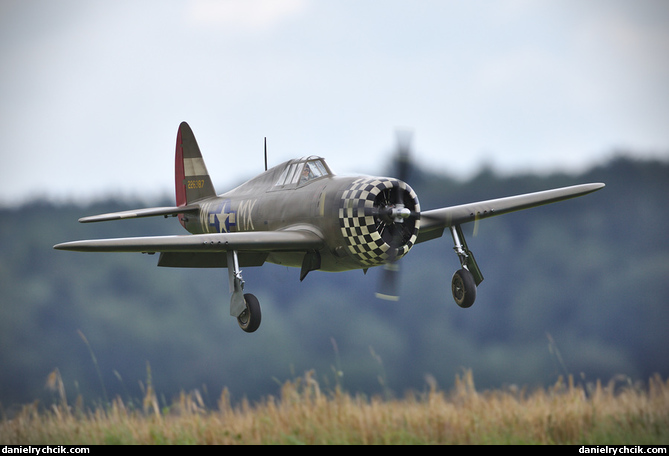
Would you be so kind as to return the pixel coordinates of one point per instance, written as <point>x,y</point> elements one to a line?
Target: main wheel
<point>463,287</point>
<point>249,320</point>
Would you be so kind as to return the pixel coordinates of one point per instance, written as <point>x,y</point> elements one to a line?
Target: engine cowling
<point>379,220</point>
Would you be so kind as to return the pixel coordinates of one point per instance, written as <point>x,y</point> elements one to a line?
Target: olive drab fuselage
<point>305,194</point>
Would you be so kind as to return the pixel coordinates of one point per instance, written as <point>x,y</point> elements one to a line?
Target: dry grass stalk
<point>303,413</point>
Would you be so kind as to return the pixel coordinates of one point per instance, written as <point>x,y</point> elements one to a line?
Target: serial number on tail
<point>195,184</point>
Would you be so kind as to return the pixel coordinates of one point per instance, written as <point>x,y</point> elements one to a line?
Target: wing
<point>137,213</point>
<point>434,221</point>
<point>258,241</point>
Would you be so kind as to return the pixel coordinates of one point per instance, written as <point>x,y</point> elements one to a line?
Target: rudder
<point>191,179</point>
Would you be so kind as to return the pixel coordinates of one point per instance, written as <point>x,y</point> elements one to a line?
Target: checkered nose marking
<point>359,227</point>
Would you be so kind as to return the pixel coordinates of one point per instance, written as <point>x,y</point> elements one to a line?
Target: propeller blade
<point>388,287</point>
<point>403,159</point>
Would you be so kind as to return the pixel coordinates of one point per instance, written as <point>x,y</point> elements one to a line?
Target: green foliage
<point>587,277</point>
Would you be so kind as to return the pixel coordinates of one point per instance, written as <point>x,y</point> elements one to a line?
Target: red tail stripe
<point>179,174</point>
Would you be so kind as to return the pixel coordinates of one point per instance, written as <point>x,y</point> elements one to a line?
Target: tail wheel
<point>463,287</point>
<point>249,320</point>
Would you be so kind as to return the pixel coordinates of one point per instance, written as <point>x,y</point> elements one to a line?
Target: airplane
<point>301,214</point>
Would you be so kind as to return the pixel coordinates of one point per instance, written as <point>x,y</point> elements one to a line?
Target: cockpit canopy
<point>301,171</point>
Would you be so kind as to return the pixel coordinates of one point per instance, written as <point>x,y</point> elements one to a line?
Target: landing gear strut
<point>465,280</point>
<point>245,307</point>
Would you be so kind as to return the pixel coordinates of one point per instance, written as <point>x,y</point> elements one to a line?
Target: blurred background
<point>501,98</point>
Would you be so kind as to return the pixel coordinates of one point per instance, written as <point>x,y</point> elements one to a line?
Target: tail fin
<point>191,179</point>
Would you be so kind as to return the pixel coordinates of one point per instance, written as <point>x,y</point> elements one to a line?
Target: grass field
<point>304,414</point>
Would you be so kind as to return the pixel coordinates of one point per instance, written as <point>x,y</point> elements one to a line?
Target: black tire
<point>249,320</point>
<point>463,288</point>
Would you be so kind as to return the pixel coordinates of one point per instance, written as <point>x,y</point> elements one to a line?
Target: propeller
<point>403,158</point>
<point>391,214</point>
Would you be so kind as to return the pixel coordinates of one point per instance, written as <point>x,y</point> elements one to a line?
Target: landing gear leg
<point>465,280</point>
<point>245,307</point>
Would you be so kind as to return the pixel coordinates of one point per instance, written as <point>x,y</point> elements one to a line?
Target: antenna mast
<point>265,153</point>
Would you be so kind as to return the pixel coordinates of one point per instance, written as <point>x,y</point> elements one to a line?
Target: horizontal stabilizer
<point>148,212</point>
<point>288,240</point>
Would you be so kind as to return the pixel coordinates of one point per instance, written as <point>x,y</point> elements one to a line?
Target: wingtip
<point>590,187</point>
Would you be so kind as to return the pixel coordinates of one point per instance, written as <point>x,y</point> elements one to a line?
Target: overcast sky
<point>92,92</point>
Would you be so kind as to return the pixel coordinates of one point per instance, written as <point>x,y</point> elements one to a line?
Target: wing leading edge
<point>433,221</point>
<point>286,240</point>
<point>137,213</point>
